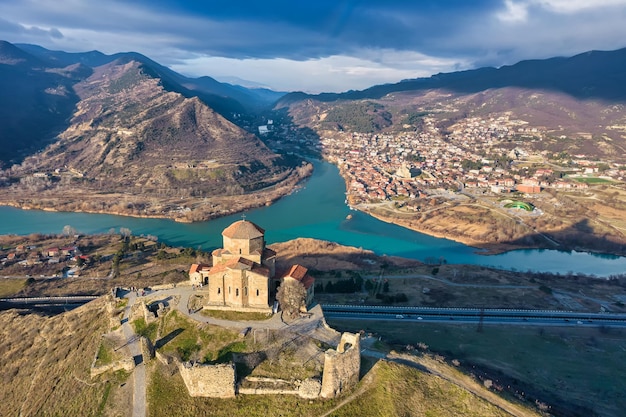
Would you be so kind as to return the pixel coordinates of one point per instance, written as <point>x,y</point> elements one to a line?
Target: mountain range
<point>578,102</point>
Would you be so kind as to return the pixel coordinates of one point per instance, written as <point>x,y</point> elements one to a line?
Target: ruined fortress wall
<point>341,366</point>
<point>209,380</point>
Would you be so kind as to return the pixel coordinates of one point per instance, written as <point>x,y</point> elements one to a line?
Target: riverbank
<point>487,248</point>
<point>147,206</point>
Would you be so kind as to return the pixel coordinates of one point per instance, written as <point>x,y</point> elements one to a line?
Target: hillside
<point>131,135</point>
<point>579,100</point>
<point>123,134</point>
<point>35,103</point>
<point>46,371</point>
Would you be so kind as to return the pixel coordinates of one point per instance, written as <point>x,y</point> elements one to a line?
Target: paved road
<point>139,373</point>
<point>470,315</point>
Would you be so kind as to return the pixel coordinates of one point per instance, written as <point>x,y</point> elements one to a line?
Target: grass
<point>147,330</point>
<point>9,286</point>
<point>45,363</point>
<point>592,180</point>
<point>105,354</point>
<point>402,391</point>
<point>236,315</point>
<point>188,340</point>
<point>562,366</point>
<point>225,354</point>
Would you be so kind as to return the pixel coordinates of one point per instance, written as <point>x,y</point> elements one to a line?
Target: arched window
<point>219,291</point>
<point>237,292</point>
<point>257,292</point>
<point>228,290</point>
<point>245,291</point>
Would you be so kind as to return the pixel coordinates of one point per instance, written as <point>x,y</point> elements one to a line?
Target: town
<point>476,155</point>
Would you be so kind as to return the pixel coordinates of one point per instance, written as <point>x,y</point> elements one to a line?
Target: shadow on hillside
<point>30,116</point>
<point>578,238</point>
<point>289,138</point>
<point>167,338</point>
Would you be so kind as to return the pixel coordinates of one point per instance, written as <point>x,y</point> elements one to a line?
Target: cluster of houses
<point>29,255</point>
<point>384,166</point>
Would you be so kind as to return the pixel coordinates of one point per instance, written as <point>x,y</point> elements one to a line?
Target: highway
<point>58,304</point>
<point>474,316</point>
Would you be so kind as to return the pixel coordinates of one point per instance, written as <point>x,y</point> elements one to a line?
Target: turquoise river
<point>317,210</point>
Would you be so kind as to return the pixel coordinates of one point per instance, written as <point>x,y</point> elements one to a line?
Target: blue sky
<point>321,45</point>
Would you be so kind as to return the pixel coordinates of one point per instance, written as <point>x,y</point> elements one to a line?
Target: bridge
<point>473,315</point>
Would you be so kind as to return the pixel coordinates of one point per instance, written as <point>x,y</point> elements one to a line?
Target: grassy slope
<point>45,362</point>
<point>387,390</point>
<point>580,368</point>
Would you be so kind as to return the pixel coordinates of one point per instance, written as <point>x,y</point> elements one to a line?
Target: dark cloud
<point>441,34</point>
<point>10,29</point>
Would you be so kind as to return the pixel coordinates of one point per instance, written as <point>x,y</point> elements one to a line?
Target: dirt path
<point>139,373</point>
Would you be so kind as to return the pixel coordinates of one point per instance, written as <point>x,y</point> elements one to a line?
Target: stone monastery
<point>243,274</point>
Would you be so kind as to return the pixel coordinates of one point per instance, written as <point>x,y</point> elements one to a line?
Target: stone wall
<point>209,380</point>
<point>341,366</point>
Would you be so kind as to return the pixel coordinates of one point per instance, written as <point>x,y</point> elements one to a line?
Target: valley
<point>492,175</point>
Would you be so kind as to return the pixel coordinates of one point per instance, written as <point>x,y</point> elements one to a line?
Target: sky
<point>321,45</point>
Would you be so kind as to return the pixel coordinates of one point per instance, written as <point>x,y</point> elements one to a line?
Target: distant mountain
<point>131,133</point>
<point>223,97</point>
<point>594,75</point>
<point>577,102</point>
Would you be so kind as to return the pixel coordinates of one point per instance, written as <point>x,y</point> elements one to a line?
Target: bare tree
<point>125,231</point>
<point>291,295</point>
<point>69,230</point>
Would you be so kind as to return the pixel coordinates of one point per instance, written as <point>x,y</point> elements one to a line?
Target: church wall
<point>260,283</point>
<point>195,278</point>
<point>257,244</point>
<point>234,288</point>
<point>215,289</point>
<point>269,264</point>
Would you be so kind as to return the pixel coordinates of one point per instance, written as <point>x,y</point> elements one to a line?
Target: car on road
<point>399,316</point>
<point>419,318</point>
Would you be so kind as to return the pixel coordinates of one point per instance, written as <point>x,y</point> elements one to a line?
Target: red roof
<point>299,273</point>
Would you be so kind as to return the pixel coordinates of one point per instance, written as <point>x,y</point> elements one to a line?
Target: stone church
<point>242,275</point>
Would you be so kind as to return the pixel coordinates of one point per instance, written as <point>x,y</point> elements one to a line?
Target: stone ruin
<point>341,373</point>
<point>208,380</point>
<point>341,366</point>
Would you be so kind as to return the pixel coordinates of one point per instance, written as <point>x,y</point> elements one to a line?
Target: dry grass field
<point>45,363</point>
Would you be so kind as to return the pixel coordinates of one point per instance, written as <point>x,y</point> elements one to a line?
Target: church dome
<point>243,229</point>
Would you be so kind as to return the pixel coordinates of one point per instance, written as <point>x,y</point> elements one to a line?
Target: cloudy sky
<point>321,45</point>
